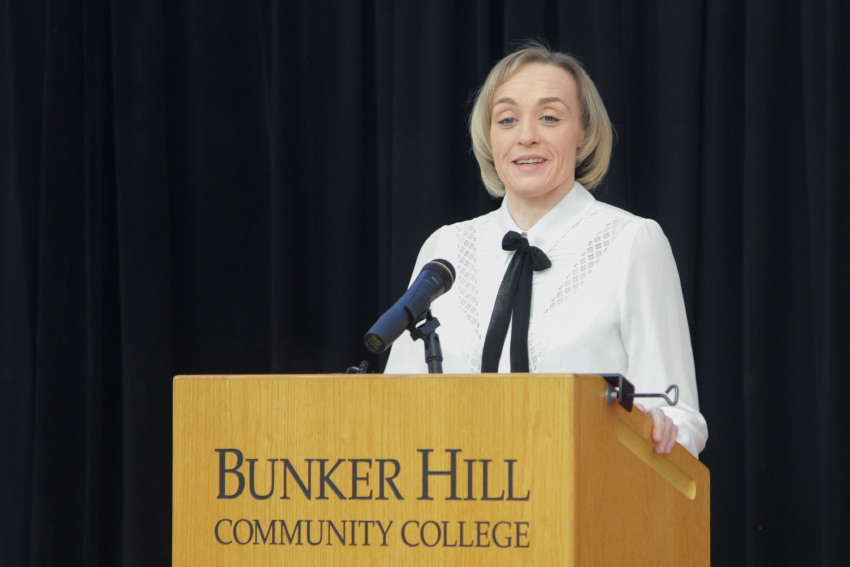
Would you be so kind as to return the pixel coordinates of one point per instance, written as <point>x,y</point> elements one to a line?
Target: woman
<point>605,295</point>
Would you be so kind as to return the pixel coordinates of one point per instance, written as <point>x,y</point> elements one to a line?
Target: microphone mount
<point>427,332</point>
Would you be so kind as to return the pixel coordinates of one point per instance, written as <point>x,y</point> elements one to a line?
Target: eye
<point>550,119</point>
<point>506,121</point>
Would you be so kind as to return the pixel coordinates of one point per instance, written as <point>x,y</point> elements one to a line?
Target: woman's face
<point>536,131</point>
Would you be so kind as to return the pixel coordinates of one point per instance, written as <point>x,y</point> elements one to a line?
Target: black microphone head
<point>436,278</point>
<point>444,270</point>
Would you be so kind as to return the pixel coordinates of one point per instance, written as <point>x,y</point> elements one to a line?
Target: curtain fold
<point>204,187</point>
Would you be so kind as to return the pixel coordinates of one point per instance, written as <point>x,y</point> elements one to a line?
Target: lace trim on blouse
<point>468,253</point>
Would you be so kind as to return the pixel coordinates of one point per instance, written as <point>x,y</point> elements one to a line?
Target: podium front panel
<point>373,470</point>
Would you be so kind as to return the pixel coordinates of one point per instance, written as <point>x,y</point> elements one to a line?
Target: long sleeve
<point>654,330</point>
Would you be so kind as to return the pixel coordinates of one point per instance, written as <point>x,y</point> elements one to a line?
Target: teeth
<point>529,161</point>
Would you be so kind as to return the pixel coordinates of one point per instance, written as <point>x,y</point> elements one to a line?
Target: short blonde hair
<point>594,155</point>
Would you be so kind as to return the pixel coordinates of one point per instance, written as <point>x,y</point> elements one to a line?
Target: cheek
<point>568,145</point>
<point>497,145</point>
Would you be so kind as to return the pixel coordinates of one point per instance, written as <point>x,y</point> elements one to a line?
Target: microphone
<point>435,279</point>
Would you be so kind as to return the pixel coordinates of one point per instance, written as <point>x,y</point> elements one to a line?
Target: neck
<point>526,211</point>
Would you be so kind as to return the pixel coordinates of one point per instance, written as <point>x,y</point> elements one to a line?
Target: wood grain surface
<point>558,476</point>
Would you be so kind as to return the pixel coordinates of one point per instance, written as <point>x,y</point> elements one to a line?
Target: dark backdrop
<point>204,186</point>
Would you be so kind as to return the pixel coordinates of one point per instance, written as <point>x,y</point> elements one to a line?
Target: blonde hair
<point>594,155</point>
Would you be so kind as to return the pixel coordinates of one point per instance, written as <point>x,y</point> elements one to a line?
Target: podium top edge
<point>184,377</point>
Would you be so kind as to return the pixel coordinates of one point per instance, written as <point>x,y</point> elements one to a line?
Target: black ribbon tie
<point>514,298</point>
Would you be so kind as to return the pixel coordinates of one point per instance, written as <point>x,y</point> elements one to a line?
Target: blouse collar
<point>555,224</point>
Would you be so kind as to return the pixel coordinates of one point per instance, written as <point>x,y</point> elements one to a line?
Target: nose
<point>528,133</point>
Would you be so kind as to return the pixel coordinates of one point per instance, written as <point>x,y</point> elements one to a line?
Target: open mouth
<point>529,164</point>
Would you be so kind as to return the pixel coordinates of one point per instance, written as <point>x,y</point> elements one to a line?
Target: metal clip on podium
<point>623,391</point>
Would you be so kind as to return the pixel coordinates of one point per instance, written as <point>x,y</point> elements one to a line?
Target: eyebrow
<point>505,101</point>
<point>552,99</point>
<point>541,102</point>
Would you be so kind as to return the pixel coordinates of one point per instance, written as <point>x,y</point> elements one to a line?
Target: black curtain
<point>241,187</point>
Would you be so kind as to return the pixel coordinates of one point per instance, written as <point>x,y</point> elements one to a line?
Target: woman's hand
<point>664,431</point>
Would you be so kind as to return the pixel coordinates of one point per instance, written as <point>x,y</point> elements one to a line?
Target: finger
<point>670,432</point>
<point>674,432</point>
<point>663,444</point>
<point>664,432</point>
<point>658,424</point>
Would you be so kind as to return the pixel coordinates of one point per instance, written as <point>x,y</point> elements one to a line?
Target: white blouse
<point>610,303</point>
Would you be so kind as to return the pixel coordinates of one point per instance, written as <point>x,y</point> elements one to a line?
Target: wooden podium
<point>470,470</point>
